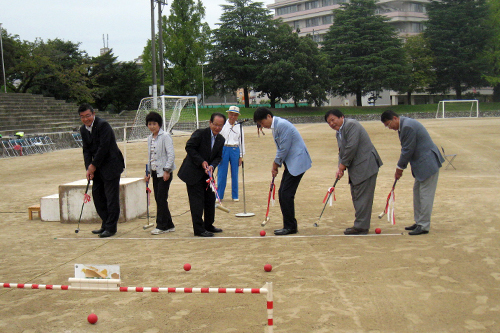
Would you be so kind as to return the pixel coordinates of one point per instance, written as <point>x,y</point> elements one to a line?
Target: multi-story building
<point>314,17</point>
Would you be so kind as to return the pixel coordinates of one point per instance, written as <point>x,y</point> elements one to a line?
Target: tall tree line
<point>361,55</point>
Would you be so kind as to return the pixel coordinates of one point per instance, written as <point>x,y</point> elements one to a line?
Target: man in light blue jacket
<point>292,153</point>
<point>418,149</point>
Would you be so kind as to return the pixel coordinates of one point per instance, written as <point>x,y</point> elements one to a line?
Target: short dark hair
<point>336,112</point>
<point>217,114</point>
<point>154,116</point>
<point>261,113</point>
<point>388,115</point>
<point>84,107</point>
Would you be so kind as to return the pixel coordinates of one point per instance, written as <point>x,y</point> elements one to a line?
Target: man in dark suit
<point>418,149</point>
<point>104,164</point>
<point>204,152</point>
<point>357,155</point>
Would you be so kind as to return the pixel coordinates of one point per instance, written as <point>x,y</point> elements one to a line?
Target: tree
<point>457,36</point>
<point>116,86</point>
<point>293,68</point>
<point>238,55</point>
<point>420,59</point>
<point>492,49</point>
<point>64,74</point>
<point>365,53</point>
<point>186,42</point>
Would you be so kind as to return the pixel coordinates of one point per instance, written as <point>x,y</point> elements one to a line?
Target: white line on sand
<point>218,237</point>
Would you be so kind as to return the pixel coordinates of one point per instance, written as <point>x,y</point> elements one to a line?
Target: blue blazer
<point>418,149</point>
<point>291,148</point>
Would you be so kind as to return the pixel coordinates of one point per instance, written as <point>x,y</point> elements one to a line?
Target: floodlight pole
<point>3,63</point>
<point>153,54</point>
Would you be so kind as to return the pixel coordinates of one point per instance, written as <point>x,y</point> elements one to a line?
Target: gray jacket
<point>357,152</point>
<point>418,149</point>
<point>164,153</point>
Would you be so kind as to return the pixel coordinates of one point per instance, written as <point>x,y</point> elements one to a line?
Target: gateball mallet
<point>388,198</point>
<point>271,188</point>
<point>148,196</point>
<point>316,224</point>
<point>86,198</point>
<point>212,184</point>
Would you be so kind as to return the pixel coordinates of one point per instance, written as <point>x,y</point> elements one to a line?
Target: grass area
<point>204,114</point>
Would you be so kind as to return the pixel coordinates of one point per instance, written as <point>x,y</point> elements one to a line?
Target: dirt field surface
<point>446,281</point>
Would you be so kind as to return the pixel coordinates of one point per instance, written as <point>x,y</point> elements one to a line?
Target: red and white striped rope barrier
<point>267,289</point>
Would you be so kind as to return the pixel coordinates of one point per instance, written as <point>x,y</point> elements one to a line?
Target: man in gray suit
<point>358,155</point>
<point>292,152</point>
<point>419,150</point>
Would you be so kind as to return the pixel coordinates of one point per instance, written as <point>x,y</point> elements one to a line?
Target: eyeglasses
<point>388,124</point>
<point>86,116</point>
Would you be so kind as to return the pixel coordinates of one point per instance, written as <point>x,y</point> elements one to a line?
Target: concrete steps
<point>36,114</point>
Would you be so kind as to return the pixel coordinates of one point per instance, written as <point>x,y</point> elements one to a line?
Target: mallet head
<point>77,231</point>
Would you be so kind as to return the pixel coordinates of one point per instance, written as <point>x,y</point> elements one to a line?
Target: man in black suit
<point>204,152</point>
<point>104,164</point>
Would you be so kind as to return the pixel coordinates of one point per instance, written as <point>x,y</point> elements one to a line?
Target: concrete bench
<point>67,204</point>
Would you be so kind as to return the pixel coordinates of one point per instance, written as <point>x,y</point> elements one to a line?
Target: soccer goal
<point>179,113</point>
<point>458,108</point>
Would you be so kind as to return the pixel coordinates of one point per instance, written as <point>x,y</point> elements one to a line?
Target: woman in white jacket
<point>161,163</point>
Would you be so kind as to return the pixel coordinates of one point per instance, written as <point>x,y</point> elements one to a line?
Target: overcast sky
<point>127,23</point>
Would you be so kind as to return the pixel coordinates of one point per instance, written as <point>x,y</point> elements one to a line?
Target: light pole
<point>160,45</point>
<point>203,85</point>
<point>153,54</point>
<point>3,63</point>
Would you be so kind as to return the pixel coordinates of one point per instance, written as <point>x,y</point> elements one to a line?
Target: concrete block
<point>49,208</point>
<point>132,201</point>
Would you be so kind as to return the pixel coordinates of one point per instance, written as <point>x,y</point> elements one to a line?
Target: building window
<point>286,10</point>
<point>327,3</point>
<point>328,19</point>
<point>312,4</point>
<point>312,22</point>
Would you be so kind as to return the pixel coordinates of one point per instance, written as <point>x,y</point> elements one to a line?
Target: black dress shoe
<point>214,229</point>
<point>355,231</point>
<point>412,227</point>
<point>99,231</point>
<point>281,232</point>
<point>106,234</point>
<point>205,234</point>
<point>418,231</point>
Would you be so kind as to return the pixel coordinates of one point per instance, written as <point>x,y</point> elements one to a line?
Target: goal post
<point>458,108</point>
<point>179,113</point>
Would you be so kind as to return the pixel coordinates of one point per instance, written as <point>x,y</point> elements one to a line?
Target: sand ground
<point>446,281</point>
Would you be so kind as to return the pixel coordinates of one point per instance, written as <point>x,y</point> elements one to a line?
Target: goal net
<point>179,113</point>
<point>458,108</point>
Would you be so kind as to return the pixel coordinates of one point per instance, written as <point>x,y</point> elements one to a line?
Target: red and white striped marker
<point>266,289</point>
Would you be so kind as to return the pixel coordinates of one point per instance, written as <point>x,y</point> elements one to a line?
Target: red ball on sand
<point>262,233</point>
<point>92,318</point>
<point>268,267</point>
<point>187,267</point>
<point>378,231</point>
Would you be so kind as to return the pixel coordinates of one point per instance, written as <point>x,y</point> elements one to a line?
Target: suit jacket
<point>198,150</point>
<point>418,149</point>
<point>291,148</point>
<point>357,152</point>
<point>100,149</point>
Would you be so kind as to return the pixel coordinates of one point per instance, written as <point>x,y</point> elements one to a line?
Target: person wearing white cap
<point>234,149</point>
